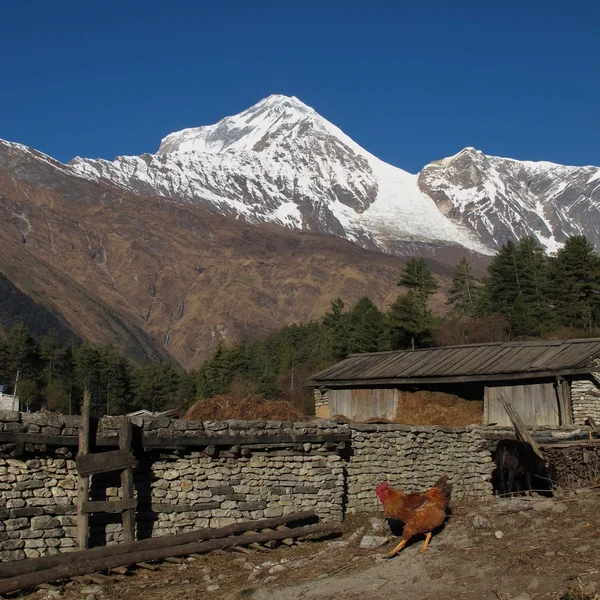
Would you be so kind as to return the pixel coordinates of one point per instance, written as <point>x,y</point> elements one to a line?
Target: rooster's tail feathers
<point>443,485</point>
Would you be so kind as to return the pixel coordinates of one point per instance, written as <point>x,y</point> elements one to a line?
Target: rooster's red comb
<point>381,487</point>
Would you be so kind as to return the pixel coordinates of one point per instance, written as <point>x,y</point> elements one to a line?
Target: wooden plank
<point>520,429</point>
<point>493,377</point>
<point>99,564</point>
<point>486,405</point>
<point>83,481</point>
<point>108,506</point>
<point>105,462</point>
<point>125,441</point>
<point>20,567</point>
<point>566,390</point>
<point>99,579</point>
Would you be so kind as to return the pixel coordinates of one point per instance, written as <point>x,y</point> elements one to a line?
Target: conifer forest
<point>525,294</point>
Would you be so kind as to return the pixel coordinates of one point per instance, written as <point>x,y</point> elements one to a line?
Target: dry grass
<point>247,408</point>
<point>437,408</point>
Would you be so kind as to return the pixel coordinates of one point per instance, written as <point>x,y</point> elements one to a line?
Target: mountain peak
<point>242,131</point>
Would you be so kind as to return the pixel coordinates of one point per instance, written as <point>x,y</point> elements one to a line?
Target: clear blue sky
<point>410,81</point>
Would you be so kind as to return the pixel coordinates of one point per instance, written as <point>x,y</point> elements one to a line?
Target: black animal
<point>519,468</point>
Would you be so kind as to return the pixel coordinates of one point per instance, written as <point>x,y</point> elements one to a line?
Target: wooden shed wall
<point>361,404</point>
<point>536,403</point>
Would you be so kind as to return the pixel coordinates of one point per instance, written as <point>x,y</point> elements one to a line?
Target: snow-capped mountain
<point>502,199</point>
<point>281,162</point>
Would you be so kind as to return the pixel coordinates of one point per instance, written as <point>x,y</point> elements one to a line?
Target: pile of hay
<point>248,408</point>
<point>437,408</point>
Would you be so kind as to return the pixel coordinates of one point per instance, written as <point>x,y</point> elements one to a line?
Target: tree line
<point>53,375</point>
<point>525,294</point>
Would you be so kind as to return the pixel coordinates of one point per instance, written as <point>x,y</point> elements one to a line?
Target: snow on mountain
<point>502,198</point>
<point>279,161</point>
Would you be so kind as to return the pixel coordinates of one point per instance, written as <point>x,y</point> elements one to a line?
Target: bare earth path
<point>520,548</point>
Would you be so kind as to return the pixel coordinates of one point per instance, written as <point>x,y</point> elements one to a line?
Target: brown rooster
<point>420,513</point>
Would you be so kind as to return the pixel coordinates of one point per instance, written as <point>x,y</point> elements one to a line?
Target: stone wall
<point>585,399</point>
<point>194,474</point>
<point>414,458</point>
<point>322,410</point>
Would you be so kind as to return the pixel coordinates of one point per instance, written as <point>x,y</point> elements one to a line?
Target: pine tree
<point>115,378</point>
<point>409,325</point>
<point>215,376</point>
<point>417,277</point>
<point>336,331</point>
<point>56,397</point>
<point>21,354</point>
<point>367,326</point>
<point>50,353</point>
<point>86,374</point>
<point>517,288</point>
<point>464,292</point>
<point>575,280</point>
<point>27,392</point>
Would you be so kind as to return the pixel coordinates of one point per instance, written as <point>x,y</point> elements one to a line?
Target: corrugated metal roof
<point>477,360</point>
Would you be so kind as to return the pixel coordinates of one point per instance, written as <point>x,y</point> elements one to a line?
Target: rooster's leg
<point>426,544</point>
<point>396,549</point>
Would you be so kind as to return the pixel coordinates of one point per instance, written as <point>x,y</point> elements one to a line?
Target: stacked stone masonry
<point>585,399</point>
<point>183,488</point>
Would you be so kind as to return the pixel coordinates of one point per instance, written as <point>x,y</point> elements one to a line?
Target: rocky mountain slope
<point>280,162</point>
<point>170,279</point>
<point>502,199</point>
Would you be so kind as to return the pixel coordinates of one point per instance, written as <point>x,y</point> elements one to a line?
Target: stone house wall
<point>585,398</point>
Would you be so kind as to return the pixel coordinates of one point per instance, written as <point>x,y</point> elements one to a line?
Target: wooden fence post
<point>83,481</point>
<point>125,440</point>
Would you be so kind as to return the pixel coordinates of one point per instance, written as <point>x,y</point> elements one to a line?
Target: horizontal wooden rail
<point>105,462</point>
<point>14,568</point>
<point>188,441</point>
<point>115,506</point>
<point>91,565</point>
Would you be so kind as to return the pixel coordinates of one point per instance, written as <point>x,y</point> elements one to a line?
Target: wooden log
<point>109,506</point>
<point>258,547</point>
<point>19,567</point>
<point>83,481</point>
<point>83,567</point>
<point>147,566</point>
<point>99,579</point>
<point>151,442</point>
<point>105,462</point>
<point>125,442</point>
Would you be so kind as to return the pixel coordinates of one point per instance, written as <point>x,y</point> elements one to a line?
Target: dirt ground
<point>502,549</point>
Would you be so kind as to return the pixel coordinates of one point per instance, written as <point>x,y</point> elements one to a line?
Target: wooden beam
<point>83,481</point>
<point>520,429</point>
<point>109,506</point>
<point>105,462</point>
<point>151,442</point>
<point>491,377</point>
<point>125,442</point>
<point>91,565</point>
<point>12,569</point>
